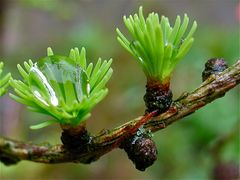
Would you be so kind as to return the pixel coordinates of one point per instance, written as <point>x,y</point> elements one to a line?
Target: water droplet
<point>140,59</point>
<point>59,77</point>
<point>39,97</point>
<point>88,88</point>
<point>39,84</point>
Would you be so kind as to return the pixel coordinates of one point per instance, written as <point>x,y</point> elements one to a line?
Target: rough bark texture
<point>214,87</point>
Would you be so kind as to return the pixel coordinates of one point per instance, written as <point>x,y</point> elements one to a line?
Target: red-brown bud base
<point>158,96</point>
<point>75,140</point>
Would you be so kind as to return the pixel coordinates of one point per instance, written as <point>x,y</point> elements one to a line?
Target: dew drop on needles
<point>55,79</point>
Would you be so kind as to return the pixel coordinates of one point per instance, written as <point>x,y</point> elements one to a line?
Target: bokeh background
<point>28,27</point>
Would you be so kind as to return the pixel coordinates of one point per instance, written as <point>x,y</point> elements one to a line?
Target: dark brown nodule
<point>141,150</point>
<point>226,171</point>
<point>75,142</point>
<point>157,97</point>
<point>7,160</point>
<point>214,66</point>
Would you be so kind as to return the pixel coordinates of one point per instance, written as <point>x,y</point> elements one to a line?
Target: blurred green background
<point>28,27</point>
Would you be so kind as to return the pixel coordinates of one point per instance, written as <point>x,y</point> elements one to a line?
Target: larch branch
<point>214,87</point>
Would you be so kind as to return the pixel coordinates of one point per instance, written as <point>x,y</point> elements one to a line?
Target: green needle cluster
<point>4,81</point>
<point>66,88</point>
<point>156,45</point>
